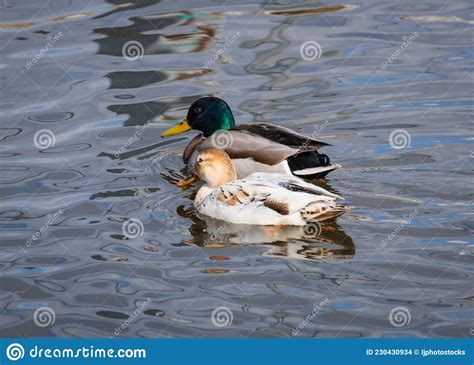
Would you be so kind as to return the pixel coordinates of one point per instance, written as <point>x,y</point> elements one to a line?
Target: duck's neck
<point>217,180</point>
<point>222,173</point>
<point>215,167</point>
<point>221,179</point>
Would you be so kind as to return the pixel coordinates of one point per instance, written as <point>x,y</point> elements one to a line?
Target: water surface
<point>383,67</point>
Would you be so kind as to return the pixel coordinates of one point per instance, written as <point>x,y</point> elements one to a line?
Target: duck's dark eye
<point>199,159</point>
<point>197,109</point>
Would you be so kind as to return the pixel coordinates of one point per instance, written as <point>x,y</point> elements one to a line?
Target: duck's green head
<point>208,115</point>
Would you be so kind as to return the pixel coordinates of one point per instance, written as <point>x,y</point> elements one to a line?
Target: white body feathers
<point>267,199</point>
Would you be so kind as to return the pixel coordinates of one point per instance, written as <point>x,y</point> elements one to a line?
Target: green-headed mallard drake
<point>260,198</point>
<point>258,147</point>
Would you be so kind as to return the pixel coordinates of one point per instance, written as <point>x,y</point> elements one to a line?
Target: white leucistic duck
<point>260,198</point>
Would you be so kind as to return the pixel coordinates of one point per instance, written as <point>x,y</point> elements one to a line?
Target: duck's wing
<point>278,193</point>
<point>288,183</point>
<point>289,195</point>
<point>243,144</point>
<point>265,143</point>
<point>282,135</point>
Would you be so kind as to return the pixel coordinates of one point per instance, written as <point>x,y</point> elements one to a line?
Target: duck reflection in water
<point>315,241</point>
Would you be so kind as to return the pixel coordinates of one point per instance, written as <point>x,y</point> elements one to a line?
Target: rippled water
<point>407,242</point>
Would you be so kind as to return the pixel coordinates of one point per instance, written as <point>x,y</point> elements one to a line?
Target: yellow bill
<point>177,129</point>
<point>187,181</point>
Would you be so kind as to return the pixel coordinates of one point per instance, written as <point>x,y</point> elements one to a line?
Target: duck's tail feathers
<point>316,170</point>
<point>334,212</point>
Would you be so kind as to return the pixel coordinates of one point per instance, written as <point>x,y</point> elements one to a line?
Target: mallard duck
<point>259,147</point>
<point>260,198</point>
